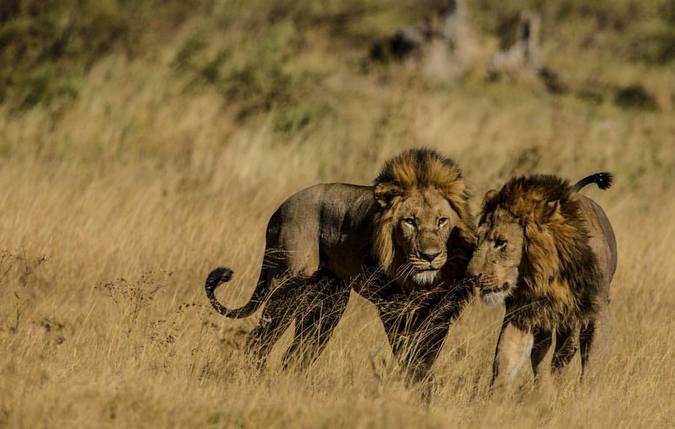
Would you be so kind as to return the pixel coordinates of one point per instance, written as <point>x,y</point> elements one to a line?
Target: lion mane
<point>559,271</point>
<point>423,169</point>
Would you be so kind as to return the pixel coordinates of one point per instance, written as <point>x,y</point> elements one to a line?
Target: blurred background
<point>170,81</point>
<point>144,142</point>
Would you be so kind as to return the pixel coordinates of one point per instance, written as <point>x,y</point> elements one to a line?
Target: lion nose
<point>473,271</point>
<point>430,255</point>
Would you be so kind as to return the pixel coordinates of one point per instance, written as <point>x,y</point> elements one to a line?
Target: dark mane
<point>559,274</point>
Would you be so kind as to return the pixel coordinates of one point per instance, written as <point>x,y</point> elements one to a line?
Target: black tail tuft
<point>223,275</point>
<point>216,277</point>
<point>604,181</point>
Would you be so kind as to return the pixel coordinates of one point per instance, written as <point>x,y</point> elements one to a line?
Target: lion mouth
<point>425,276</point>
<point>494,295</point>
<point>488,290</point>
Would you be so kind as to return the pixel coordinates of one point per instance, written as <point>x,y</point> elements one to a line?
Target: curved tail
<point>603,180</point>
<point>224,275</point>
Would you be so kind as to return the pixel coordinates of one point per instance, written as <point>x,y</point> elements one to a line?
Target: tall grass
<point>116,204</point>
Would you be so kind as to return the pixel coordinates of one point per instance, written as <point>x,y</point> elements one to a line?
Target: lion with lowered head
<point>407,239</point>
<point>549,254</point>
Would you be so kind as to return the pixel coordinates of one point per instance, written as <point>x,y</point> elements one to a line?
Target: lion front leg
<point>415,349</point>
<point>421,351</point>
<point>514,346</point>
<point>566,346</point>
<point>542,339</point>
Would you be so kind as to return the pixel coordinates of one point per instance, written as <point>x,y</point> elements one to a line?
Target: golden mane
<point>559,271</point>
<point>419,169</point>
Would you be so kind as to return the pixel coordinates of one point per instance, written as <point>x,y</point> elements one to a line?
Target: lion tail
<point>223,275</point>
<point>603,180</point>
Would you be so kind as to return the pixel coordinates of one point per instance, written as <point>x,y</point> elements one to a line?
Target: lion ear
<point>385,193</point>
<point>550,208</point>
<point>488,196</point>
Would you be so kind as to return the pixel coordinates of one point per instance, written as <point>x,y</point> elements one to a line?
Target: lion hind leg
<point>276,317</point>
<point>263,337</point>
<point>315,321</point>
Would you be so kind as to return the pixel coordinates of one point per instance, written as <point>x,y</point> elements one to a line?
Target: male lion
<point>549,254</point>
<point>403,242</point>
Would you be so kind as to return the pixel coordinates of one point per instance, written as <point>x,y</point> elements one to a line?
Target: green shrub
<point>652,42</point>
<point>47,45</point>
<point>251,71</point>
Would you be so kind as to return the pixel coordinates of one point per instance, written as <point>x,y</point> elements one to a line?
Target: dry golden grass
<point>114,209</point>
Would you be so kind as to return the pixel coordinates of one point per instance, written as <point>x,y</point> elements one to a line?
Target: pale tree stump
<point>440,46</point>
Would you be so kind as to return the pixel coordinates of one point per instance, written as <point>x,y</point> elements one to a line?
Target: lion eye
<point>442,221</point>
<point>409,221</point>
<point>499,243</point>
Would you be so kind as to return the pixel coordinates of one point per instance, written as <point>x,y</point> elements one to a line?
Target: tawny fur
<point>559,270</point>
<point>403,244</point>
<point>549,254</point>
<point>416,170</point>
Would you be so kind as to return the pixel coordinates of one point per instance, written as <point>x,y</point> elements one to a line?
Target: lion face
<point>421,222</point>
<point>497,258</point>
<point>423,214</point>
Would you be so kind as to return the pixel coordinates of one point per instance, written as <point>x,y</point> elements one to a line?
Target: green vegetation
<point>245,49</point>
<point>47,46</point>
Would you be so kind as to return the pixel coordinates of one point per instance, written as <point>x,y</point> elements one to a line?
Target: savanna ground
<point>144,143</point>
